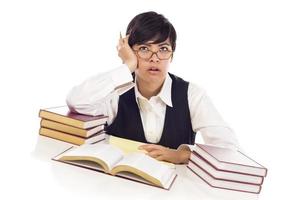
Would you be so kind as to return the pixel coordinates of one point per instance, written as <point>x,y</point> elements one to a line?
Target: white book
<point>112,160</point>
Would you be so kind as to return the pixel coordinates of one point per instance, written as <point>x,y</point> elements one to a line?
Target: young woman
<point>146,103</point>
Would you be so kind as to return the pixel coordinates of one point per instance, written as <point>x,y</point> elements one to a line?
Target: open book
<point>109,159</point>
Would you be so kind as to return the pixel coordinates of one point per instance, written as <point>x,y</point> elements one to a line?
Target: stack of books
<point>62,124</point>
<point>227,169</point>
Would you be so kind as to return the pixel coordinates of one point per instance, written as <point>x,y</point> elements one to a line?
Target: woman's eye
<point>163,49</point>
<point>143,49</point>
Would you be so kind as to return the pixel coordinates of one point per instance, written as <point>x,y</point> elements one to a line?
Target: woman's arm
<point>100,94</point>
<point>180,155</point>
<point>206,119</point>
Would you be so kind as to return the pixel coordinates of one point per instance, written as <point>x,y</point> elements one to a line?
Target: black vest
<point>177,126</point>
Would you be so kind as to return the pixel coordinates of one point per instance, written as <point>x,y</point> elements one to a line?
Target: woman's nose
<point>154,58</point>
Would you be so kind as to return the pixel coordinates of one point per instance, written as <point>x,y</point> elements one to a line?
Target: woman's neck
<point>148,89</point>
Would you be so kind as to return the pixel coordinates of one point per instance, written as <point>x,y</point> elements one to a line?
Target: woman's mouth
<point>153,70</point>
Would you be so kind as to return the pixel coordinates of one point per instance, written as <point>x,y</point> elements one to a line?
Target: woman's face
<point>153,61</point>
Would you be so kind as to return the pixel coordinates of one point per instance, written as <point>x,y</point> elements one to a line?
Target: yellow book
<point>127,146</point>
<point>112,160</point>
<point>130,146</point>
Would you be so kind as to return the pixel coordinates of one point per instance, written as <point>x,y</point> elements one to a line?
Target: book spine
<point>226,188</point>
<point>199,157</point>
<point>70,129</point>
<point>61,119</point>
<point>61,136</point>
<point>222,179</point>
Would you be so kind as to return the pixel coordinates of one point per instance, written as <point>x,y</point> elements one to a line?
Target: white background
<point>246,54</point>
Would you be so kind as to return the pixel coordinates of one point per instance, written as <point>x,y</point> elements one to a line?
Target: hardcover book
<point>224,175</point>
<point>230,160</point>
<point>223,184</point>
<point>109,159</point>
<point>73,139</point>
<point>63,115</point>
<point>86,133</point>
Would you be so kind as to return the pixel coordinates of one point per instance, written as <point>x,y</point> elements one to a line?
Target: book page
<point>105,152</point>
<point>131,146</point>
<point>149,166</point>
<point>127,146</point>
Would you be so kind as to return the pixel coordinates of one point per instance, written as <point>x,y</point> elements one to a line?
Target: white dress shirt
<point>100,95</point>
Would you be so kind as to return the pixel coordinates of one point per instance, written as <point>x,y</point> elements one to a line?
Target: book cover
<point>222,184</point>
<point>65,137</point>
<point>224,175</point>
<point>86,133</point>
<point>63,115</point>
<point>230,160</point>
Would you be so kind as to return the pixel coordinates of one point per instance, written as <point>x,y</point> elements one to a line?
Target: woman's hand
<point>176,156</point>
<point>126,54</point>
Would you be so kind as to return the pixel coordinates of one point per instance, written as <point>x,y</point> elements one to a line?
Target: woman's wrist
<point>184,154</point>
<point>131,66</point>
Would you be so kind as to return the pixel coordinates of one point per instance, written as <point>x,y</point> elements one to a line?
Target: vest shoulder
<point>178,79</point>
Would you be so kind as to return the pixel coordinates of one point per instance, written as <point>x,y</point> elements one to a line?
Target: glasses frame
<point>154,52</point>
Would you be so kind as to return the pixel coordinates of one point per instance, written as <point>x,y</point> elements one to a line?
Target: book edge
<point>222,179</point>
<point>223,170</point>
<point>231,163</point>
<point>222,187</point>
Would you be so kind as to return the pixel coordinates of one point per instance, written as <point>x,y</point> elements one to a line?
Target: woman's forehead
<point>151,42</point>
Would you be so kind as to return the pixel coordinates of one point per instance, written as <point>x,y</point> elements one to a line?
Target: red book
<point>230,160</point>
<point>224,175</point>
<point>63,115</point>
<point>222,184</point>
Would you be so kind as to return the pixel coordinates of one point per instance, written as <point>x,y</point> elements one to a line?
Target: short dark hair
<point>150,26</point>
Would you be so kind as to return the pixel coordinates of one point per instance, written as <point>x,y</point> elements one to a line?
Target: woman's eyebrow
<point>162,44</point>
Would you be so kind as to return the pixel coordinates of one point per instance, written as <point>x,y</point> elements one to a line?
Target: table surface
<point>80,182</point>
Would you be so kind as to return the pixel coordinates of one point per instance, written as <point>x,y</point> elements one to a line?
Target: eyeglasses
<point>145,53</point>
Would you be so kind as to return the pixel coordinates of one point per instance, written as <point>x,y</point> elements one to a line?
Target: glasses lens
<point>145,54</point>
<point>161,55</point>
<point>164,55</point>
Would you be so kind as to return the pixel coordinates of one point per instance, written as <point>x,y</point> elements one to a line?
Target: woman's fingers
<point>126,53</point>
<point>160,158</point>
<point>150,147</point>
<point>125,40</point>
<point>120,43</point>
<point>155,153</point>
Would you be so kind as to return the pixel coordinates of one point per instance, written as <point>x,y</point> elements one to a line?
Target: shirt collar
<point>165,93</point>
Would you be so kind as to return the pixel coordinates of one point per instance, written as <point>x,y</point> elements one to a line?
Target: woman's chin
<point>152,76</point>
